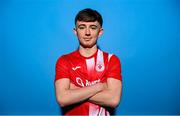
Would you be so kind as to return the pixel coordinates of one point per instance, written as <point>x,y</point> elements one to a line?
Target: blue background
<point>144,34</point>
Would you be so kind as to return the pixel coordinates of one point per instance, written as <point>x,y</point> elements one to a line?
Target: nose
<point>87,33</point>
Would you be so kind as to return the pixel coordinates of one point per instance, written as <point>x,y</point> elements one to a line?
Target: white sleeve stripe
<point>109,57</point>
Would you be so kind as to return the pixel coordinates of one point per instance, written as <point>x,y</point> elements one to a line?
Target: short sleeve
<point>62,70</point>
<point>114,68</point>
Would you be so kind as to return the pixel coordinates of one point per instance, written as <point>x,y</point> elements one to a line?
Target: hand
<point>105,85</point>
<point>100,86</point>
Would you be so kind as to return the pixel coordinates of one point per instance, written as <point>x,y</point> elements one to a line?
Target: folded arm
<point>67,96</point>
<point>110,96</point>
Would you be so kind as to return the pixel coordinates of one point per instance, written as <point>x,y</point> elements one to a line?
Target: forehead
<point>87,23</point>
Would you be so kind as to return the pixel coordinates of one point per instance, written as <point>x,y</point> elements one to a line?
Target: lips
<point>87,38</point>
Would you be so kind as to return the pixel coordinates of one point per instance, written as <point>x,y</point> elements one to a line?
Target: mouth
<point>87,39</point>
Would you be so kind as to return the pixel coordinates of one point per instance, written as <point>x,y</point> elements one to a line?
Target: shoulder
<point>114,59</point>
<point>64,58</point>
<point>68,55</point>
<point>111,56</point>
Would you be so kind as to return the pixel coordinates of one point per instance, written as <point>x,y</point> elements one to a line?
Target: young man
<point>88,80</point>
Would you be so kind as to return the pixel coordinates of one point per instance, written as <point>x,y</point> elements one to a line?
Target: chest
<point>86,72</point>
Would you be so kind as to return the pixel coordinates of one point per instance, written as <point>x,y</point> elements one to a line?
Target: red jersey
<point>86,71</point>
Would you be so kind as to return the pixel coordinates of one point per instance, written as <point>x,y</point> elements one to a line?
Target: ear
<point>101,32</point>
<point>75,31</point>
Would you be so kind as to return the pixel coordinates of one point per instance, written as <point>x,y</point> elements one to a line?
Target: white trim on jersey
<point>100,61</point>
<point>93,109</point>
<point>109,57</point>
<point>90,64</point>
<point>102,111</point>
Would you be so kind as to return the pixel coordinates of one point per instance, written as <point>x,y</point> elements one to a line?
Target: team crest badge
<point>99,67</point>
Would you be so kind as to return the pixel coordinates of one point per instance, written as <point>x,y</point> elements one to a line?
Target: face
<point>88,33</point>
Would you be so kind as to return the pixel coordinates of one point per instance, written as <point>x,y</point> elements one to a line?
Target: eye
<point>81,27</point>
<point>94,27</point>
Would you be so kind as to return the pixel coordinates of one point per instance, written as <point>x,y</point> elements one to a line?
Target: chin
<point>88,45</point>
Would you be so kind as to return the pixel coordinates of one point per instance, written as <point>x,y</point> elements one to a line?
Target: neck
<point>87,52</point>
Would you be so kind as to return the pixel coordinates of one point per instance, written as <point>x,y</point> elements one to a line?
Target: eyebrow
<point>81,25</point>
<point>93,26</point>
<point>85,25</point>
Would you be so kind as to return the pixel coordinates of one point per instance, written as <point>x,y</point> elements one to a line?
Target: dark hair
<point>89,15</point>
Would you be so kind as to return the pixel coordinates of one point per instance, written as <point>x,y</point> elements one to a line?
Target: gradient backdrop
<point>144,34</point>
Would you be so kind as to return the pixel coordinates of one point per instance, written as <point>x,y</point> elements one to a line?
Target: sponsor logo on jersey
<point>75,68</point>
<point>79,81</point>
